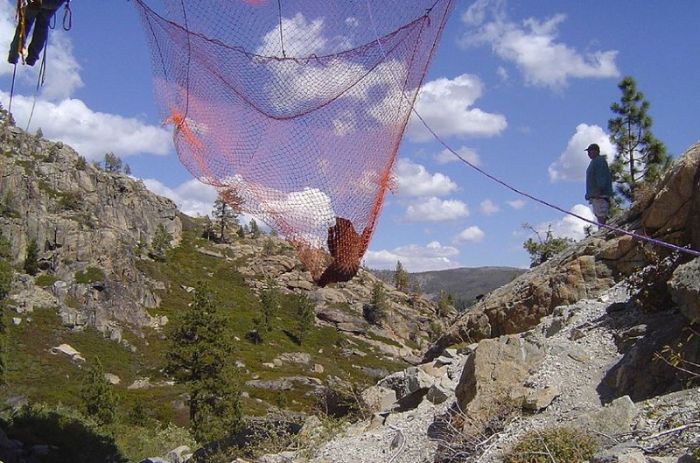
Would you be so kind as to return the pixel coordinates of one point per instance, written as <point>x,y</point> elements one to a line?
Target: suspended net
<point>295,107</point>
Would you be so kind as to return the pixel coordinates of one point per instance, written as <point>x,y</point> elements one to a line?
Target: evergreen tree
<point>98,397</point>
<point>545,247</point>
<point>199,350</point>
<point>445,303</point>
<point>3,342</point>
<point>112,163</point>
<point>254,229</point>
<point>31,263</point>
<point>376,311</point>
<point>81,163</point>
<point>400,277</point>
<point>5,278</point>
<point>160,245</point>
<point>640,156</point>
<point>270,300</point>
<point>305,315</point>
<point>269,247</point>
<point>208,233</point>
<point>225,215</point>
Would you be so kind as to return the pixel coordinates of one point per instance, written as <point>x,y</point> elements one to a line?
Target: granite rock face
<point>670,213</point>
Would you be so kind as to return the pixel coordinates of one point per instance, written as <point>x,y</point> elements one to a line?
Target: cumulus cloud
<point>414,180</point>
<point>89,132</point>
<point>193,197</point>
<point>533,46</point>
<point>446,105</point>
<point>414,258</point>
<point>488,207</point>
<point>569,226</point>
<point>516,203</point>
<point>471,234</point>
<point>445,156</point>
<point>436,210</point>
<point>573,161</point>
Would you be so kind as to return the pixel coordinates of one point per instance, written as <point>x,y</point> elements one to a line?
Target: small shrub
<point>89,276</point>
<point>31,263</point>
<point>545,247</point>
<point>45,280</point>
<point>69,201</point>
<point>80,163</point>
<point>160,245</point>
<point>555,444</point>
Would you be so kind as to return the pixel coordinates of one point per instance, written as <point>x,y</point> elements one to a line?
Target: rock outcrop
<point>670,213</point>
<point>89,226</point>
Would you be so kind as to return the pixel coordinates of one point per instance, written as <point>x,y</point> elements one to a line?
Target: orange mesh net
<point>296,106</point>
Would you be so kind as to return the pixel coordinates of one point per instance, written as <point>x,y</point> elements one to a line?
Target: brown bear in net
<point>346,247</point>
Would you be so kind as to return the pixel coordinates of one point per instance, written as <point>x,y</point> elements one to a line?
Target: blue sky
<point>520,88</point>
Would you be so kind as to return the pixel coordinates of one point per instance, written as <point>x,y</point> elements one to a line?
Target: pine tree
<point>254,229</point>
<point>640,156</point>
<point>160,245</point>
<point>305,316</point>
<point>98,397</point>
<point>199,351</point>
<point>400,277</point>
<point>31,263</point>
<point>127,169</point>
<point>5,278</point>
<point>270,300</point>
<point>3,343</point>
<point>376,311</point>
<point>225,215</point>
<point>112,163</point>
<point>545,247</point>
<point>445,303</point>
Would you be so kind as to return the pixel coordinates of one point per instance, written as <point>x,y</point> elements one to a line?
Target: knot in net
<point>297,107</point>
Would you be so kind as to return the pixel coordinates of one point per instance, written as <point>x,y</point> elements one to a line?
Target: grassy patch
<point>554,444</point>
<point>90,275</point>
<point>45,280</point>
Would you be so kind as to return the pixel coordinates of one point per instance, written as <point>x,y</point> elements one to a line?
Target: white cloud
<point>193,197</point>
<point>573,161</point>
<point>533,46</point>
<point>89,132</point>
<point>471,234</point>
<point>445,156</point>
<point>64,71</point>
<point>414,180</point>
<point>502,74</point>
<point>302,37</point>
<point>436,210</point>
<point>446,106</point>
<point>569,226</point>
<point>516,203</point>
<point>488,207</point>
<point>414,258</point>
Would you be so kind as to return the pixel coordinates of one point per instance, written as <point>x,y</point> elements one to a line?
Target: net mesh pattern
<point>297,107</point>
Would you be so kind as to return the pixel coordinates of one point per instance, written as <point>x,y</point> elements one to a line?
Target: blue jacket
<point>598,179</point>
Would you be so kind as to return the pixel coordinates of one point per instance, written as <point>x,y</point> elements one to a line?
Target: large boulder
<point>684,287</point>
<point>495,372</point>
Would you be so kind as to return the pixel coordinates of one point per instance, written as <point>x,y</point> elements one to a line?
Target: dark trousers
<point>39,18</point>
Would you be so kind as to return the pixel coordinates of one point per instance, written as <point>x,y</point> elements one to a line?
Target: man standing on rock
<point>598,184</point>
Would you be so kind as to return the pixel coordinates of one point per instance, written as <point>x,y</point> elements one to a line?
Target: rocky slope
<point>94,229</point>
<point>602,341</point>
<point>671,213</point>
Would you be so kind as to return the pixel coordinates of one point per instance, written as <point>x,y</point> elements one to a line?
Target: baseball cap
<point>593,146</point>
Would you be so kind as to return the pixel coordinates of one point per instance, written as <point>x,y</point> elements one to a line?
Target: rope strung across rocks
<point>648,239</point>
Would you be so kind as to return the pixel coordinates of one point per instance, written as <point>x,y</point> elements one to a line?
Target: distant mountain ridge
<point>465,283</point>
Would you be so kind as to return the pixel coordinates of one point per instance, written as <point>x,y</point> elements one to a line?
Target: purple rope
<point>636,236</point>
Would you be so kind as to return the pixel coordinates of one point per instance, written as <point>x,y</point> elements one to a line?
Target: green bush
<point>45,280</point>
<point>554,444</point>
<point>89,276</point>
